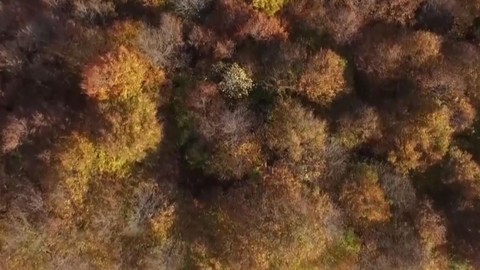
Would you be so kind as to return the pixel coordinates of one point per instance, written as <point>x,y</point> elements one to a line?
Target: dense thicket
<point>239,134</point>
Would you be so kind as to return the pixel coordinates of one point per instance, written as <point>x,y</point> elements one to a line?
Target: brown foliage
<point>360,126</point>
<point>237,151</point>
<point>421,139</point>
<point>266,128</point>
<point>262,27</point>
<point>364,198</point>
<point>431,227</point>
<point>463,60</point>
<point>273,223</point>
<point>294,133</point>
<point>210,44</point>
<point>447,86</point>
<point>91,9</point>
<point>398,11</point>
<point>464,12</point>
<point>241,21</point>
<point>341,20</point>
<point>13,134</point>
<point>393,246</point>
<point>324,77</point>
<point>465,172</point>
<point>387,53</point>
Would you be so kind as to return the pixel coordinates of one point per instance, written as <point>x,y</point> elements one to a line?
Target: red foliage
<point>208,43</point>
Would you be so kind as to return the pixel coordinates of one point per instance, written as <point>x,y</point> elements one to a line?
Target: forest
<point>239,134</point>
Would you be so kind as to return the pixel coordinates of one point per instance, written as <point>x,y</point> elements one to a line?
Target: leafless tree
<point>91,9</point>
<point>13,134</point>
<point>163,45</point>
<point>190,8</point>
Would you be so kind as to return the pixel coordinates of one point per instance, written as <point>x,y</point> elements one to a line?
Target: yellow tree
<point>269,6</point>
<point>95,168</point>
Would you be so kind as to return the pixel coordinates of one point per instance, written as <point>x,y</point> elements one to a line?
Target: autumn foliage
<point>240,134</point>
<point>324,77</point>
<point>364,198</point>
<point>114,75</point>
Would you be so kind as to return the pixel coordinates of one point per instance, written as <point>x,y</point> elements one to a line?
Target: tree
<point>462,59</point>
<point>13,134</point>
<point>324,77</point>
<point>294,133</point>
<point>431,227</point>
<point>263,28</point>
<point>400,11</point>
<point>163,45</point>
<point>269,6</point>
<point>359,127</point>
<point>234,150</point>
<point>344,19</point>
<point>275,223</point>
<point>398,188</point>
<point>209,44</point>
<point>388,54</point>
<point>396,245</point>
<point>297,137</point>
<point>237,159</point>
<point>91,10</point>
<point>235,84</point>
<point>364,198</point>
<point>241,21</point>
<point>464,13</point>
<point>118,82</point>
<point>422,140</point>
<point>446,85</point>
<point>464,171</point>
<point>190,8</point>
<point>118,74</point>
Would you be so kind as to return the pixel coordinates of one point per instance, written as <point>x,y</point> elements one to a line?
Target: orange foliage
<point>364,198</point>
<point>115,74</point>
<point>275,223</point>
<point>124,32</point>
<point>324,78</point>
